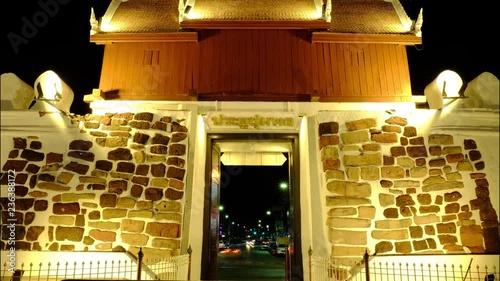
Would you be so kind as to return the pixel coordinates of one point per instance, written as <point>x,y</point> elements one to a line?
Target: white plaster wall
<point>463,123</point>
<point>198,199</point>
<point>313,191</point>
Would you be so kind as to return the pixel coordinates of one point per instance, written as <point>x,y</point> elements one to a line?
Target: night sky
<point>456,36</point>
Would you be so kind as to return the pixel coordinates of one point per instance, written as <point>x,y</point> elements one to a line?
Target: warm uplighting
<point>193,14</point>
<point>51,89</point>
<point>447,84</point>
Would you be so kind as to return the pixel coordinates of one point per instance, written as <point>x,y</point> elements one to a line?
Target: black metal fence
<point>370,268</point>
<point>131,268</point>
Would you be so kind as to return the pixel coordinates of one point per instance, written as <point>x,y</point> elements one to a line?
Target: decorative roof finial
<point>417,28</point>
<point>94,24</point>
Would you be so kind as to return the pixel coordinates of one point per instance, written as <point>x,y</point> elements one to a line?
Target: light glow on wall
<point>50,88</point>
<point>447,84</point>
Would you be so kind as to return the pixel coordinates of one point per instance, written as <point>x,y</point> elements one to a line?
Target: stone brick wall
<point>119,185</point>
<point>391,190</point>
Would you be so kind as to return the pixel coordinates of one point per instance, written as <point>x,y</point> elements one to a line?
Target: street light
<point>283,185</point>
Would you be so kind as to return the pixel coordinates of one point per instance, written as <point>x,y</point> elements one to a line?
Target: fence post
<point>139,263</point>
<point>189,251</point>
<point>367,271</point>
<point>310,252</point>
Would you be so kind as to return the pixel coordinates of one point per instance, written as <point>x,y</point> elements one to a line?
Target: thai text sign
<point>251,121</point>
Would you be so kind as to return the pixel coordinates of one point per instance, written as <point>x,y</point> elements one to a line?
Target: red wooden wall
<point>255,64</point>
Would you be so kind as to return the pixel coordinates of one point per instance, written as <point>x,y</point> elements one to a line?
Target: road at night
<point>254,264</point>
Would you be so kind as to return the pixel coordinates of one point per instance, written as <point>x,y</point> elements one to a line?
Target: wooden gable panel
<point>248,64</point>
<point>149,71</point>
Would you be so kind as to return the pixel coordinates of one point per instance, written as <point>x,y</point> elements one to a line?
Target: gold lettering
<point>255,121</point>
<point>217,121</point>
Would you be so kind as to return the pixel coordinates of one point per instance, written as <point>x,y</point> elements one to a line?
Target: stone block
<point>168,206</point>
<point>173,194</point>
<point>125,167</point>
<point>340,236</point>
<point>392,172</point>
<point>153,194</point>
<point>170,216</point>
<point>120,154</point>
<point>66,208</point>
<point>331,164</point>
<point>32,168</point>
<point>117,186</point>
<point>106,236</point>
<point>74,234</point>
<point>417,141</point>
<point>16,165</point>
<point>328,128</point>
<point>440,139</point>
<point>337,222</point>
<point>126,202</point>
<point>130,225</point>
<point>385,138</point>
<point>104,165</point>
<point>176,161</point>
<point>395,234</point>
<point>147,214</point>
<point>136,191</point>
<point>178,137</point>
<point>161,139</point>
<point>135,239</point>
<point>77,167</point>
<point>416,151</point>
<point>165,230</point>
<point>158,170</point>
<point>84,155</point>
<point>391,128</point>
<point>20,143</point>
<point>165,243</point>
<point>383,247</point>
<point>140,125</point>
<point>41,205</point>
<point>176,173</point>
<point>397,151</point>
<point>32,155</point>
<point>114,213</point>
<point>177,149</point>
<point>108,200</point>
<point>397,120</point>
<point>367,159</point>
<point>360,124</point>
<point>144,116</point>
<point>334,174</point>
<point>80,145</point>
<point>159,149</point>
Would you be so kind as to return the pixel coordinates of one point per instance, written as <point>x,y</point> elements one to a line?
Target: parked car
<point>222,245</point>
<point>265,245</point>
<point>277,250</point>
